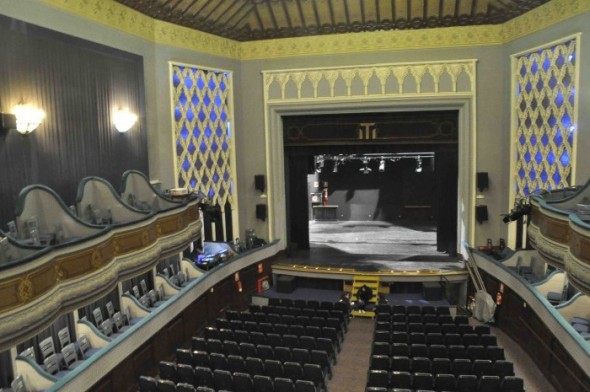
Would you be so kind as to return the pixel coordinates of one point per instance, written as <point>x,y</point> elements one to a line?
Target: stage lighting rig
<point>522,208</point>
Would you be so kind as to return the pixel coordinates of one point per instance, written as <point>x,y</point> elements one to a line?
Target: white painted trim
<point>549,44</point>
<point>380,65</point>
<point>172,122</point>
<point>465,103</point>
<point>574,160</point>
<point>232,140</point>
<point>514,123</point>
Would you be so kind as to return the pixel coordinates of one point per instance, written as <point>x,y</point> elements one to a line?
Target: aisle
<point>350,373</point>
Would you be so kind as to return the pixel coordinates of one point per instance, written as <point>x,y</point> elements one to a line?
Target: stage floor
<point>371,247</point>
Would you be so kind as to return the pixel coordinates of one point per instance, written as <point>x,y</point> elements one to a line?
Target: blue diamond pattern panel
<point>201,108</point>
<point>545,113</point>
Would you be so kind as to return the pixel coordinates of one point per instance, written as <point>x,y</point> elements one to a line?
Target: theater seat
<point>512,384</point>
<point>148,384</point>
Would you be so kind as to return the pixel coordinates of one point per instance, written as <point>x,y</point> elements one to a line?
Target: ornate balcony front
<point>560,231</point>
<point>77,261</point>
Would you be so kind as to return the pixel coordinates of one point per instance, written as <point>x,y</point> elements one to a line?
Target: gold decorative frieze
<point>555,229</point>
<point>117,16</point>
<point>133,240</point>
<point>580,246</point>
<point>540,18</point>
<point>25,290</point>
<point>65,279</point>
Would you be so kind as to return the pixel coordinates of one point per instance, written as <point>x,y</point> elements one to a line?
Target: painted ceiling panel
<point>249,20</point>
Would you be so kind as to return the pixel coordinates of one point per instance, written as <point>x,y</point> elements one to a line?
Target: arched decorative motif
<point>546,115</point>
<point>371,80</point>
<point>201,100</point>
<point>444,85</point>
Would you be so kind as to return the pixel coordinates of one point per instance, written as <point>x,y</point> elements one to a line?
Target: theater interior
<point>294,195</point>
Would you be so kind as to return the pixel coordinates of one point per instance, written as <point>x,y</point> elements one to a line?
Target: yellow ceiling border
<point>122,18</point>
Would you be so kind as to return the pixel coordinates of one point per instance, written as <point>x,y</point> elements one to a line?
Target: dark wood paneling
<point>526,328</point>
<point>178,332</point>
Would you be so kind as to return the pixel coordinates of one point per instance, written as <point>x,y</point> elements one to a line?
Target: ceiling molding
<point>122,18</point>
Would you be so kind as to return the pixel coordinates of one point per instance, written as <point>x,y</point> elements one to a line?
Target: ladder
<point>473,270</point>
<point>372,282</point>
<point>484,306</point>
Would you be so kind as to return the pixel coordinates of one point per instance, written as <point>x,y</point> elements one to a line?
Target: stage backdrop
<point>79,85</point>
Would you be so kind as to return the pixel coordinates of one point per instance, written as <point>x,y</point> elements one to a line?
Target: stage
<point>395,252</point>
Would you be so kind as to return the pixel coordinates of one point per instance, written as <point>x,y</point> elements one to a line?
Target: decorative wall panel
<point>372,80</point>
<point>546,113</point>
<point>202,131</point>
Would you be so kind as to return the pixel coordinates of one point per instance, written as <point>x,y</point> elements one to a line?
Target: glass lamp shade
<point>27,118</point>
<point>124,120</point>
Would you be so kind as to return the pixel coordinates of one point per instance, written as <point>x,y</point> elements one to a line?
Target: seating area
<point>54,362</point>
<point>426,349</point>
<point>285,346</point>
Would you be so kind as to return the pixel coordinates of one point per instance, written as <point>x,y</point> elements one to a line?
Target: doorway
<point>392,200</point>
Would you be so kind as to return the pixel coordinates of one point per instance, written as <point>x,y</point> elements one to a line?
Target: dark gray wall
<point>79,84</point>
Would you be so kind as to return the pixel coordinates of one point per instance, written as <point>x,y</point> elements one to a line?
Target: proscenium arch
<point>414,86</point>
<point>463,103</point>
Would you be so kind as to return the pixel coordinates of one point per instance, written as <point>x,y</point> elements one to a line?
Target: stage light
<point>366,169</point>
<point>418,165</point>
<point>382,165</point>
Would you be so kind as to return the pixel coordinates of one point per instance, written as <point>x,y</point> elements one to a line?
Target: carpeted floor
<point>350,373</point>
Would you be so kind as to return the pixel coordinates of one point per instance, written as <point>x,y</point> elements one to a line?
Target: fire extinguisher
<point>498,298</point>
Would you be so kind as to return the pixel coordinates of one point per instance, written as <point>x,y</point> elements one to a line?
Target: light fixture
<point>124,120</point>
<point>418,165</point>
<point>366,169</point>
<point>382,165</point>
<point>28,118</point>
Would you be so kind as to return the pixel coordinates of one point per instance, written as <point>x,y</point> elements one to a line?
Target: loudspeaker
<point>259,182</point>
<point>7,122</point>
<point>481,213</point>
<point>261,212</point>
<point>482,181</point>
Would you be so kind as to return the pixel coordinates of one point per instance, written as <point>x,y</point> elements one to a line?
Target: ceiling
<point>249,20</point>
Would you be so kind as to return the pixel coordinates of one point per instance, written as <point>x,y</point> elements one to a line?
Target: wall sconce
<point>27,118</point>
<point>124,120</point>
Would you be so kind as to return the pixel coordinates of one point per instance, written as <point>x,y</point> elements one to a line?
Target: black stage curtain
<point>63,321</point>
<point>86,311</point>
<point>135,281</point>
<point>6,374</point>
<point>79,84</point>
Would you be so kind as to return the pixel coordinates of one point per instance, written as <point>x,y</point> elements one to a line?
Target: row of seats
<point>468,339</point>
<point>419,318</point>
<point>115,324</point>
<point>274,341</point>
<point>314,317</point>
<point>253,329</point>
<point>242,382</point>
<point>445,328</point>
<point>238,362</point>
<point>411,309</point>
<point>302,303</point>
<point>492,353</point>
<point>148,298</point>
<point>442,382</point>
<point>338,311</point>
<point>252,366</point>
<point>478,367</point>
<point>59,363</point>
